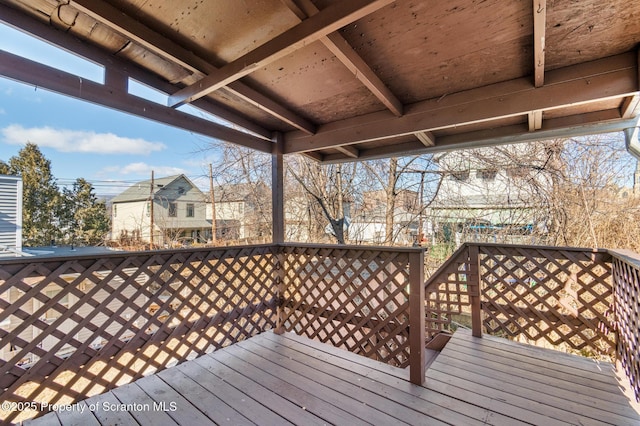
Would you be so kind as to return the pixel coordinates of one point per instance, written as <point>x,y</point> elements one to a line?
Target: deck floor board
<point>288,379</point>
<point>539,380</point>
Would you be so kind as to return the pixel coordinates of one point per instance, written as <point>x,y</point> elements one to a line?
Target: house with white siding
<point>243,212</point>
<point>10,215</point>
<point>172,208</point>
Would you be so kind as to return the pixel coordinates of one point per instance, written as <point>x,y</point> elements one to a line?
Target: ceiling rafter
<point>630,106</point>
<point>613,77</point>
<point>171,51</point>
<point>21,69</point>
<point>312,29</point>
<point>427,138</point>
<point>592,123</point>
<point>539,33</point>
<point>349,58</point>
<point>72,44</point>
<point>534,119</point>
<point>349,151</point>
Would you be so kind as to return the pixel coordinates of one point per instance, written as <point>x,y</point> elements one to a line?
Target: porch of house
<point>289,379</point>
<point>186,336</point>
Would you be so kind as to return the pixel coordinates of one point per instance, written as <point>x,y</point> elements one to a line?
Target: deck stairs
<point>434,346</point>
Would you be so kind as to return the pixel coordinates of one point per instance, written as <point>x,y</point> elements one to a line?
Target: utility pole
<point>213,206</point>
<point>151,224</point>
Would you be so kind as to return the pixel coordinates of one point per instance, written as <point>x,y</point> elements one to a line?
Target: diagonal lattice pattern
<point>626,277</point>
<point>357,299</point>
<point>447,293</point>
<point>74,327</point>
<point>560,295</point>
<point>563,296</point>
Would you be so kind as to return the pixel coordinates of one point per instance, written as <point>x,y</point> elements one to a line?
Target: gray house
<point>178,208</point>
<point>10,215</point>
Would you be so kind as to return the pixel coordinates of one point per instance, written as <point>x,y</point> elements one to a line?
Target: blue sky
<point>108,148</point>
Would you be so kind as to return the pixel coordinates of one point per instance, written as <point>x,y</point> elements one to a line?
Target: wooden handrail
<point>436,278</point>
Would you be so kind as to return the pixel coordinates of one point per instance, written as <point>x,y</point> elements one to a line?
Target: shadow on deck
<point>288,379</point>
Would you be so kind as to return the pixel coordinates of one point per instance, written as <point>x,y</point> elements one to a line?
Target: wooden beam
<point>72,44</point>
<point>608,78</point>
<point>168,49</point>
<point>349,151</point>
<point>327,21</point>
<point>630,106</point>
<point>427,138</point>
<point>345,54</point>
<point>30,72</point>
<point>578,125</point>
<point>314,156</point>
<point>539,32</point>
<point>535,120</point>
<point>349,58</point>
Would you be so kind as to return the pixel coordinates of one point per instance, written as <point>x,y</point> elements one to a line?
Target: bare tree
<point>329,186</point>
<point>572,190</point>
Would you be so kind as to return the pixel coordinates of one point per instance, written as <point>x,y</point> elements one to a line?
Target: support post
<point>213,207</point>
<point>277,209</point>
<point>473,287</point>
<point>416,318</point>
<point>277,188</point>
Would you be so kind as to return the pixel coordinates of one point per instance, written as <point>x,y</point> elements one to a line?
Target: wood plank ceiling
<point>357,79</point>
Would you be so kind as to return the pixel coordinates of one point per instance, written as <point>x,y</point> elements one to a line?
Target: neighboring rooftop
<point>141,191</point>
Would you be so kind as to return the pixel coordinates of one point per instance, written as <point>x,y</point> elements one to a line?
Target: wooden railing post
<point>625,269</point>
<point>473,287</point>
<point>416,318</point>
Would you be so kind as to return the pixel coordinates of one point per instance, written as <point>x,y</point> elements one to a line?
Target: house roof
<point>344,80</point>
<point>141,191</point>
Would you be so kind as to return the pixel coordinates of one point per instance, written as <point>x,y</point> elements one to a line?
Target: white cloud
<point>78,141</point>
<point>142,169</point>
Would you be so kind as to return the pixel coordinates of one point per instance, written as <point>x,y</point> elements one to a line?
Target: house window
<point>173,209</point>
<point>190,210</point>
<point>115,210</point>
<point>489,174</point>
<point>459,176</point>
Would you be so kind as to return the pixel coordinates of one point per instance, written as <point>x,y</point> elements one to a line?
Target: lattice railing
<point>561,295</point>
<point>447,293</point>
<point>74,327</point>
<point>626,278</point>
<point>354,298</point>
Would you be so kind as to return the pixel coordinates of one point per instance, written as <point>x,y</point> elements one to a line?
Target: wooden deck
<point>276,380</point>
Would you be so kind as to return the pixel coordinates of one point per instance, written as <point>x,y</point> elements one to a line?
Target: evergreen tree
<point>41,197</point>
<point>4,168</point>
<point>83,219</point>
